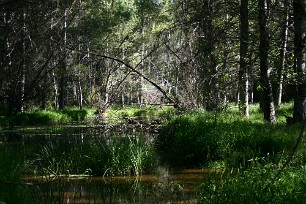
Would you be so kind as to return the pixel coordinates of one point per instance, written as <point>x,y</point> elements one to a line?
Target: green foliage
<point>148,112</point>
<point>252,186</point>
<point>198,138</point>
<point>11,168</point>
<point>121,155</point>
<point>46,117</point>
<point>185,140</point>
<point>76,114</point>
<point>39,118</point>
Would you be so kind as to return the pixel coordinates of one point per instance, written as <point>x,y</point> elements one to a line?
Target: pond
<point>180,186</point>
<point>90,164</point>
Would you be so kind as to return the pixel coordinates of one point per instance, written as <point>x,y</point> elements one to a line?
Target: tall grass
<point>118,155</point>
<point>124,155</point>
<point>37,117</point>
<point>201,138</point>
<point>252,186</point>
<point>115,113</point>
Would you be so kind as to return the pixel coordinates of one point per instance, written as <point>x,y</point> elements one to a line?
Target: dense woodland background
<point>190,53</point>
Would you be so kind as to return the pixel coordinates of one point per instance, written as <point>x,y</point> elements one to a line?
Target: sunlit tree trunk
<point>80,94</point>
<point>267,101</point>
<point>282,55</point>
<point>299,13</point>
<point>55,88</point>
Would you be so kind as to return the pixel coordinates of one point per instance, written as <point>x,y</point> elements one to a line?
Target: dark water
<point>180,186</point>
<point>163,186</point>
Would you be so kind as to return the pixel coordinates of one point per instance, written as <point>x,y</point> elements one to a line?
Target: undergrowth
<point>201,138</point>
<point>253,185</point>
<point>118,155</point>
<point>38,117</point>
<point>116,113</point>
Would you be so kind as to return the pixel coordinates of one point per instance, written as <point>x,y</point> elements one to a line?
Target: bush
<point>253,186</point>
<point>76,114</point>
<point>198,138</point>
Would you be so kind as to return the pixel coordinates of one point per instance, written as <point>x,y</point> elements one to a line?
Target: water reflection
<point>57,143</point>
<point>179,186</point>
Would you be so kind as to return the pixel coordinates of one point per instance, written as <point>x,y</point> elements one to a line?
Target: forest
<point>122,87</point>
<point>192,54</point>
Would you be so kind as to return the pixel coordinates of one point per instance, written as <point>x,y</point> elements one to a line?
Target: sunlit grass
<point>116,114</point>
<point>257,184</point>
<point>37,117</point>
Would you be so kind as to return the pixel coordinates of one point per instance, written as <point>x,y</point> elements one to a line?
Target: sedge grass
<point>199,138</point>
<point>252,186</point>
<point>37,117</point>
<point>108,156</point>
<point>115,113</point>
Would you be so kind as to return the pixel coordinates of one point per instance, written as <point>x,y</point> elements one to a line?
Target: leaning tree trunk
<point>244,71</point>
<point>299,113</point>
<point>267,101</point>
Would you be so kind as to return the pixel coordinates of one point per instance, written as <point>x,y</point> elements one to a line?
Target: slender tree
<point>244,67</point>
<point>267,101</point>
<point>283,51</point>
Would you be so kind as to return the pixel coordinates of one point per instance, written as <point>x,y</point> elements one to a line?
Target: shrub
<point>198,138</point>
<point>253,186</point>
<point>76,114</point>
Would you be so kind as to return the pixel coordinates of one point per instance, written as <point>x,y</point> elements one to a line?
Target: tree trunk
<point>244,71</point>
<point>80,94</point>
<point>55,86</point>
<point>21,81</point>
<point>267,101</point>
<point>140,89</point>
<point>207,68</point>
<point>299,13</point>
<point>63,70</point>
<point>282,55</point>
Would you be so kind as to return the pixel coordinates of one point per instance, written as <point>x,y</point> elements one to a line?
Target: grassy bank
<point>115,114</point>
<point>251,153</point>
<point>37,117</point>
<point>200,138</point>
<point>257,184</point>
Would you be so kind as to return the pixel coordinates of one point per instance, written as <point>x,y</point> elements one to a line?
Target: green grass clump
<point>115,113</point>
<point>75,114</point>
<point>121,155</point>
<point>200,138</point>
<point>46,117</point>
<point>254,186</point>
<point>38,117</point>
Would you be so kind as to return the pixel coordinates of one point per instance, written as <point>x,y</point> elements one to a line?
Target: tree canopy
<point>188,53</point>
